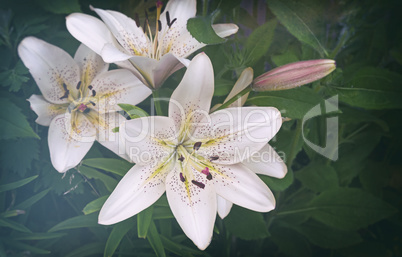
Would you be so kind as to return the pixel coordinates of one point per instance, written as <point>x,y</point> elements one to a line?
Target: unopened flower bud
<point>293,75</point>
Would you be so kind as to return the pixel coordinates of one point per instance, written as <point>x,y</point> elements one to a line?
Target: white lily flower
<point>194,156</point>
<point>79,99</point>
<point>152,58</point>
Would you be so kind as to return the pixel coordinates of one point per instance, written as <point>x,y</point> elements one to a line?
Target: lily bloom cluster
<point>205,159</point>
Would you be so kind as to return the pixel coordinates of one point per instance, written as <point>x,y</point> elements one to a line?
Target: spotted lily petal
<point>70,138</point>
<point>117,86</point>
<point>193,207</point>
<point>137,190</point>
<point>243,187</point>
<point>46,111</point>
<point>191,100</point>
<point>89,63</point>
<point>230,135</point>
<point>266,162</point>
<point>54,70</point>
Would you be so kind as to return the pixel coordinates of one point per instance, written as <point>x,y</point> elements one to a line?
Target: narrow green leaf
<point>155,241</point>
<point>259,41</point>
<point>201,29</point>
<point>118,232</point>
<point>144,220</point>
<point>318,177</point>
<point>84,221</point>
<point>13,123</point>
<point>349,208</point>
<point>162,213</point>
<point>16,184</point>
<point>60,6</point>
<point>37,236</point>
<point>109,182</point>
<point>297,18</point>
<point>91,249</point>
<point>246,224</point>
<point>27,247</point>
<point>326,237</point>
<point>95,205</point>
<point>13,213</point>
<point>293,103</point>
<point>119,167</point>
<point>14,225</point>
<point>133,111</point>
<point>32,200</point>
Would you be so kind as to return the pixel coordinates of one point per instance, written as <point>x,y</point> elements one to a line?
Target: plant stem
<point>234,98</point>
<point>157,103</point>
<point>292,153</point>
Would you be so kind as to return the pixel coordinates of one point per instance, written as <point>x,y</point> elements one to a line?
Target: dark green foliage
<point>349,206</point>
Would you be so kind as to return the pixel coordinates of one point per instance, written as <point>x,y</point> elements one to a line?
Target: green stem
<point>234,98</point>
<point>157,103</point>
<point>292,153</point>
<point>296,211</point>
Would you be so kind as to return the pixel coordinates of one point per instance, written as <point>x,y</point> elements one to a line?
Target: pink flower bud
<point>293,75</point>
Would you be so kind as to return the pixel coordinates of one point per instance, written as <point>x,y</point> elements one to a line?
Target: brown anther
<point>92,103</point>
<point>197,146</point>
<point>65,94</point>
<point>93,93</point>
<point>90,87</point>
<point>198,184</point>
<point>209,176</point>
<point>79,84</point>
<point>159,25</point>
<point>213,158</point>
<point>182,178</point>
<point>181,158</point>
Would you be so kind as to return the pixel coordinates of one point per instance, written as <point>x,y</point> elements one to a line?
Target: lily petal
<point>243,187</point>
<point>136,191</point>
<point>193,207</point>
<point>110,53</point>
<point>191,100</point>
<point>230,135</point>
<point>225,29</point>
<point>51,67</point>
<point>117,86</point>
<point>90,63</point>
<point>148,139</point>
<point>125,30</point>
<point>46,111</point>
<point>266,162</point>
<point>245,79</point>
<point>224,206</point>
<point>68,146</point>
<point>166,66</point>
<point>90,31</point>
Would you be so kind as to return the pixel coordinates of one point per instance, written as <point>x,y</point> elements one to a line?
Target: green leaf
<point>95,205</point>
<point>144,220</point>
<point>349,208</point>
<point>109,182</point>
<point>133,111</point>
<point>14,225</point>
<point>118,232</point>
<point>13,213</point>
<point>83,221</point>
<point>318,177</point>
<point>162,213</point>
<point>27,247</point>
<point>290,242</point>
<point>278,184</point>
<point>246,224</point>
<point>11,152</point>
<point>14,78</point>
<point>13,123</point>
<point>119,167</point>
<point>327,237</point>
<point>90,249</point>
<point>155,241</point>
<point>32,200</point>
<point>259,41</point>
<point>293,103</point>
<point>201,29</point>
<point>16,184</point>
<point>37,236</point>
<point>298,20</point>
<point>60,6</point>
